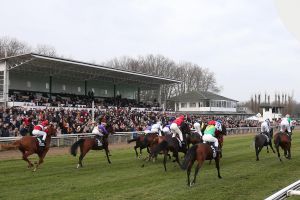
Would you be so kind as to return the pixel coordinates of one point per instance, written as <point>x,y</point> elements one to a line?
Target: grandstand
<point>26,77</point>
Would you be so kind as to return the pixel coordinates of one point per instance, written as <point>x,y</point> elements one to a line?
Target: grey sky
<point>243,42</point>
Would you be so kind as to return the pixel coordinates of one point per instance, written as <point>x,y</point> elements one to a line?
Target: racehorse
<point>87,144</point>
<point>261,140</point>
<point>143,141</point>
<point>283,140</point>
<point>29,145</point>
<point>168,143</point>
<point>199,152</point>
<point>219,135</point>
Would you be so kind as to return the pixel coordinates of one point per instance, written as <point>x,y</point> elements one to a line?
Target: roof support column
<point>85,87</point>
<point>139,95</point>
<point>50,86</point>
<point>159,95</point>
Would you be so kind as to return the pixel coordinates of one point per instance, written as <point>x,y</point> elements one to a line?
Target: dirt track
<point>16,154</point>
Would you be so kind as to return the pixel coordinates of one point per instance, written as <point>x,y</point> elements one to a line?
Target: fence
<point>288,191</point>
<point>121,137</point>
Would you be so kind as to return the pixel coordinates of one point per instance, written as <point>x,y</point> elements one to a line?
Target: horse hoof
<point>143,165</point>
<point>78,165</point>
<point>220,177</point>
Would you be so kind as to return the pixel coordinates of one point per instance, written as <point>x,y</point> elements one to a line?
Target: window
<point>93,90</point>
<point>183,105</point>
<point>118,92</point>
<point>79,89</point>
<point>28,84</point>
<point>201,104</point>
<point>64,87</point>
<point>47,86</point>
<point>224,104</point>
<point>193,105</point>
<point>105,91</point>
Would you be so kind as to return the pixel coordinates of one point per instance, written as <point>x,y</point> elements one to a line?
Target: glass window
<point>47,85</point>
<point>183,105</point>
<point>64,87</point>
<point>79,89</point>
<point>193,105</point>
<point>28,83</point>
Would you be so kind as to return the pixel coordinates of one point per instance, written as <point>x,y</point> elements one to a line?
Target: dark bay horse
<point>87,144</point>
<point>193,138</point>
<point>283,140</point>
<point>143,141</point>
<point>165,144</point>
<point>199,152</point>
<point>260,141</point>
<point>29,145</point>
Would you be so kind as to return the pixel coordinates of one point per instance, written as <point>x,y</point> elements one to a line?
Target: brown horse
<point>199,152</point>
<point>283,140</point>
<point>87,144</point>
<point>193,138</point>
<point>143,141</point>
<point>29,145</point>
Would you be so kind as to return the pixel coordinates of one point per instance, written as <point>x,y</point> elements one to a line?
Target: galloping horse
<point>199,152</point>
<point>29,145</point>
<point>284,141</point>
<point>87,144</point>
<point>261,140</point>
<point>168,143</point>
<point>143,141</point>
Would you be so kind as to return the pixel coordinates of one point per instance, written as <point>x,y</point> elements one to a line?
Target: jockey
<point>148,128</point>
<point>99,131</point>
<point>175,127</point>
<point>286,124</point>
<point>218,125</point>
<point>40,129</point>
<point>209,134</point>
<point>265,128</point>
<point>156,128</point>
<point>197,127</point>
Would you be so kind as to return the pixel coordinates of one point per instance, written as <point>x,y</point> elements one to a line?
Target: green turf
<point>243,177</point>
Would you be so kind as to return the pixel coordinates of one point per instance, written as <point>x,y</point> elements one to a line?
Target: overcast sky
<point>244,42</point>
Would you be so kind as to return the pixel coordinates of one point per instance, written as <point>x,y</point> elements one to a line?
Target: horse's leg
<point>188,172</point>
<point>107,156</point>
<point>217,160</point>
<point>289,152</point>
<point>41,159</point>
<point>165,161</point>
<point>267,149</point>
<point>272,147</point>
<point>257,150</point>
<point>25,158</point>
<point>83,152</point>
<point>136,153</point>
<point>278,154</point>
<point>196,172</point>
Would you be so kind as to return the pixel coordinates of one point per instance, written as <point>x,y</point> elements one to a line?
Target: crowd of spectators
<point>19,121</point>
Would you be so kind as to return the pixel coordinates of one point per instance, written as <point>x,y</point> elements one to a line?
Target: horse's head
<point>51,130</point>
<point>185,128</point>
<point>110,128</point>
<point>224,131</point>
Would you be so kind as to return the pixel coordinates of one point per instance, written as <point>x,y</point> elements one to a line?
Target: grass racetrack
<point>243,176</point>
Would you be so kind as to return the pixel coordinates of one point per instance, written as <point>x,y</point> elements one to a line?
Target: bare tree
<point>46,50</point>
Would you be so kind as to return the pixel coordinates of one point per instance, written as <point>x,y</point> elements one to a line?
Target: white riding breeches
<point>38,133</point>
<point>198,128</point>
<point>175,130</point>
<point>166,131</point>
<point>210,138</point>
<point>285,125</point>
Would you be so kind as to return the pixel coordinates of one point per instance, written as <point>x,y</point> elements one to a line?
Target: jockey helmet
<point>220,121</point>
<point>211,122</point>
<point>45,123</point>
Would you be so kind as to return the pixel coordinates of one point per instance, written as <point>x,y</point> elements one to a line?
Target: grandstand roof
<point>195,96</point>
<point>77,70</point>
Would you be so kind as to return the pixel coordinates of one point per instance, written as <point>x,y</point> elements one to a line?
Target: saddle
<point>213,148</point>
<point>267,137</point>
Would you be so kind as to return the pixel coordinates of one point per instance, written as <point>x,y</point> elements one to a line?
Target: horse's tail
<point>191,155</point>
<point>132,140</point>
<point>75,146</point>
<point>161,146</point>
<point>12,146</point>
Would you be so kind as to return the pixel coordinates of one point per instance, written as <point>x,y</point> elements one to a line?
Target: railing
<point>121,137</point>
<point>288,191</point>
